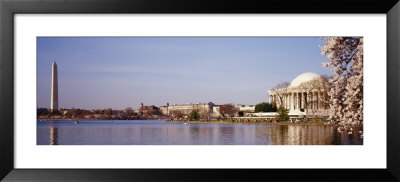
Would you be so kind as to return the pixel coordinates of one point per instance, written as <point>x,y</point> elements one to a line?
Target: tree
<point>156,112</point>
<point>240,113</point>
<point>108,111</point>
<point>42,111</point>
<point>176,114</point>
<point>205,114</point>
<point>128,111</point>
<point>194,115</point>
<point>265,107</point>
<point>227,110</point>
<point>272,107</point>
<point>261,107</point>
<point>53,113</point>
<point>282,114</point>
<point>310,87</point>
<point>280,90</point>
<point>345,55</point>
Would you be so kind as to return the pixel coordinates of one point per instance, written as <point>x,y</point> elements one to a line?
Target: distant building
<point>164,110</point>
<point>203,108</point>
<point>151,110</point>
<point>216,111</point>
<point>246,108</point>
<point>148,108</point>
<point>263,114</point>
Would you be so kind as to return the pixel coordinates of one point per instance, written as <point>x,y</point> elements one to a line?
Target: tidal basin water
<point>159,132</point>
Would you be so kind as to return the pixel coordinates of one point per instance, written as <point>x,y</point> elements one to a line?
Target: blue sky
<point>120,72</point>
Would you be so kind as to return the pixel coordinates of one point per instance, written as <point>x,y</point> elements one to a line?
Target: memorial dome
<point>305,77</point>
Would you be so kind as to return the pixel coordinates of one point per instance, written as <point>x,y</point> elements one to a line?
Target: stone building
<point>54,87</point>
<point>246,108</point>
<point>203,108</point>
<point>307,92</point>
<point>151,110</point>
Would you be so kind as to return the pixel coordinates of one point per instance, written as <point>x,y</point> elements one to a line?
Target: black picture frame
<point>9,8</point>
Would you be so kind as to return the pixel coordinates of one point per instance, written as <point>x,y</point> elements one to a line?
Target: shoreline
<point>94,119</point>
<point>282,123</point>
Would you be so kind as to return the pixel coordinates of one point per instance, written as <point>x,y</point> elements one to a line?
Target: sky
<point>121,72</point>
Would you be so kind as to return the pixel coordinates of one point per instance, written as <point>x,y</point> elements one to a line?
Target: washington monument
<point>54,88</point>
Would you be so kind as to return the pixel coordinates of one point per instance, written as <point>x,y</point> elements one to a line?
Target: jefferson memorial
<point>306,93</point>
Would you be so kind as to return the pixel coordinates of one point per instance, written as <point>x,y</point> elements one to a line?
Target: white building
<point>307,92</point>
<point>216,111</point>
<point>187,108</point>
<point>246,108</point>
<point>263,114</point>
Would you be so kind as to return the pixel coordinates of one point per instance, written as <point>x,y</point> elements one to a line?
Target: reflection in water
<point>53,135</point>
<point>160,133</point>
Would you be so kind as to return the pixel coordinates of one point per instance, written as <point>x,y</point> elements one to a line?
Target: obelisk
<point>54,88</point>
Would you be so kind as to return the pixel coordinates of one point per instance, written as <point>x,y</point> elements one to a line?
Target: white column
<point>312,100</point>
<point>321,100</point>
<point>291,101</point>
<point>316,100</point>
<point>285,97</point>
<point>287,101</point>
<point>306,99</point>
<point>298,100</point>
<point>283,100</point>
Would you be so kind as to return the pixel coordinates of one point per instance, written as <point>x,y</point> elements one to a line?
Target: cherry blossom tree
<point>345,56</point>
<point>280,90</point>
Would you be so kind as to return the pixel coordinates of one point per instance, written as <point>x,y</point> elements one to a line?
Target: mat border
<point>9,8</point>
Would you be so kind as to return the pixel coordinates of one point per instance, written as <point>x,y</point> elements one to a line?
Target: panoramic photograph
<point>199,91</point>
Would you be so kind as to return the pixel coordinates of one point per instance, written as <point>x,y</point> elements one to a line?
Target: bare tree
<point>128,111</point>
<point>280,90</point>
<point>310,88</point>
<point>227,110</point>
<point>176,114</point>
<point>204,114</point>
